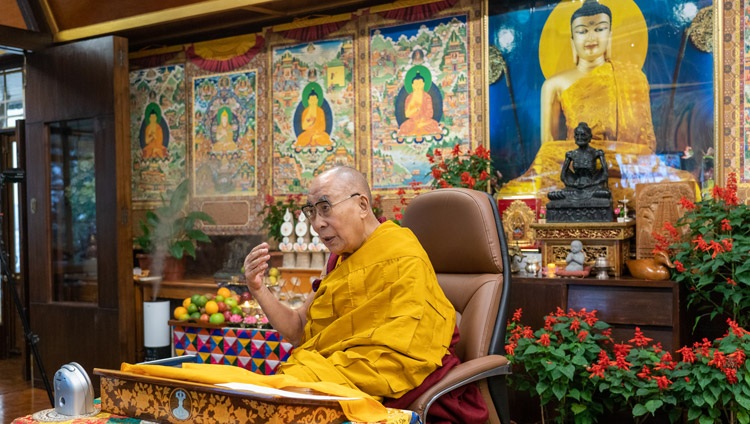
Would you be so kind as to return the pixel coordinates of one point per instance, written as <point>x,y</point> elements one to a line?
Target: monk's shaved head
<point>348,177</point>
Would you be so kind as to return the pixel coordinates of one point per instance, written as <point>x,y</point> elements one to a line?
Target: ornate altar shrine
<point>600,239</point>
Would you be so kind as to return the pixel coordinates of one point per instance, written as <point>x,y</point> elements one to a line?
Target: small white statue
<point>576,257</point>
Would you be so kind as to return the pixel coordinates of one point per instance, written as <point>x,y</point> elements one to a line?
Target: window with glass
<point>11,97</point>
<point>73,207</point>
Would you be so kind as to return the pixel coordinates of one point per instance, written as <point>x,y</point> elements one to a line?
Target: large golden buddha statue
<point>612,97</point>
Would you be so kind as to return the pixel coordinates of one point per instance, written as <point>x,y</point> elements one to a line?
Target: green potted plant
<point>581,375</point>
<point>170,232</point>
<point>710,247</point>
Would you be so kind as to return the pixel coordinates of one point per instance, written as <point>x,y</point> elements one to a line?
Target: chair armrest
<point>461,375</point>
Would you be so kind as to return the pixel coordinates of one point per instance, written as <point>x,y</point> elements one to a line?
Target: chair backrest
<point>461,232</point>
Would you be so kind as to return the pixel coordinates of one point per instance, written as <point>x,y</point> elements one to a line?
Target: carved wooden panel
<point>656,204</point>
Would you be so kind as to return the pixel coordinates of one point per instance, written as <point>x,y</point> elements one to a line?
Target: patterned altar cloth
<point>257,350</point>
<point>395,416</point>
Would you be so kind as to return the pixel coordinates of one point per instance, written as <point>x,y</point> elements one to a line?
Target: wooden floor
<point>18,397</point>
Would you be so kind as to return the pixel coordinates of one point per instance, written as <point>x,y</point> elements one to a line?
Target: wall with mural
<point>255,117</point>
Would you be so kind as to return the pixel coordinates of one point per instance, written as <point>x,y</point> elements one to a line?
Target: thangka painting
<point>313,111</point>
<point>157,131</point>
<point>640,73</point>
<point>224,134</point>
<point>419,88</point>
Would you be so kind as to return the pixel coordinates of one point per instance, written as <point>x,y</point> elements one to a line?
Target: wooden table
<point>657,307</point>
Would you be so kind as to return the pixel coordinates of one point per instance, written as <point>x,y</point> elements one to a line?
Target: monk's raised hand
<point>256,264</point>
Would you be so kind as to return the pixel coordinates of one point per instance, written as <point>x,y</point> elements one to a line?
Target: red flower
<point>589,317</point>
<point>700,243</point>
<point>680,267</point>
<point>527,332</point>
<point>269,199</point>
<point>738,357</point>
<point>456,150</point>
<point>716,247</point>
<point>483,175</point>
<point>663,382</point>
<point>640,340</point>
<point>645,373</point>
<point>437,173</point>
<point>575,325</point>
<point>549,321</point>
<point>596,370</point>
<point>687,203</point>
<point>467,179</point>
<point>544,340</point>
<point>582,335</point>
<point>482,152</point>
<point>666,362</point>
<point>736,329</point>
<point>731,282</point>
<point>731,374</point>
<point>517,315</point>
<point>725,225</point>
<point>704,347</point>
<point>727,243</point>
<point>687,354</point>
<point>719,360</point>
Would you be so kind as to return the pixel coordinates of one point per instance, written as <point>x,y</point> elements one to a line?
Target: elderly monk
<point>378,322</point>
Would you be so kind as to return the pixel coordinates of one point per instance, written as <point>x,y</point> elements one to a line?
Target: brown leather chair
<point>461,231</point>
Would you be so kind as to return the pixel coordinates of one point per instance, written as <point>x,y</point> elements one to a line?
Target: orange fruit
<point>223,291</point>
<point>180,311</point>
<point>187,302</point>
<point>212,307</point>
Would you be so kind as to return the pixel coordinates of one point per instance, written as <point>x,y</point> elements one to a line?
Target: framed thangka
<point>313,111</point>
<point>419,90</point>
<point>224,134</point>
<point>641,77</point>
<point>157,131</point>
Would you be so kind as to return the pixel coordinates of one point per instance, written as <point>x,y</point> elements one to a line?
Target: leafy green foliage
<point>574,367</point>
<point>710,249</point>
<point>171,228</point>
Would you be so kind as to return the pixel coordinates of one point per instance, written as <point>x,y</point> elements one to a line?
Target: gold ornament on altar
<point>517,220</point>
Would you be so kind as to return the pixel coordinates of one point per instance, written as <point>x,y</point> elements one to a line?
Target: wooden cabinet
<point>657,307</point>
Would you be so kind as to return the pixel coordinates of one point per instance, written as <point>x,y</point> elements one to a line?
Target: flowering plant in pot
<point>710,248</point>
<point>708,382</point>
<point>636,375</point>
<point>275,209</point>
<point>712,381</point>
<point>552,363</point>
<point>472,169</point>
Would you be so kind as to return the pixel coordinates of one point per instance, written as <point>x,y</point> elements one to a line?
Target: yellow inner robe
<point>380,322</point>
<point>613,100</point>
